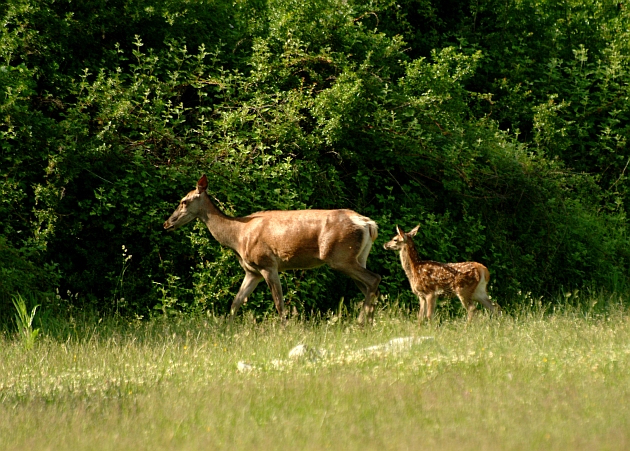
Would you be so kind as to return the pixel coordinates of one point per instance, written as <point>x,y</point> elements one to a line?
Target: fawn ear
<point>414,230</point>
<point>202,184</point>
<point>399,231</point>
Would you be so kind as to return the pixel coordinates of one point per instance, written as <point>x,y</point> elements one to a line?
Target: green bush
<point>500,128</point>
<point>21,273</point>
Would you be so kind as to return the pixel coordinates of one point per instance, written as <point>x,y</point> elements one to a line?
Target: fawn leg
<point>430,300</point>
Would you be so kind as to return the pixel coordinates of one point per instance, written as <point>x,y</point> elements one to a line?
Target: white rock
<point>305,352</point>
<point>244,367</point>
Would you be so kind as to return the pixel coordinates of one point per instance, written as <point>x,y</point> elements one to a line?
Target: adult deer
<point>430,279</point>
<point>269,242</point>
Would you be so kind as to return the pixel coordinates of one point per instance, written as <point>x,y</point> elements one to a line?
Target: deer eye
<point>184,202</point>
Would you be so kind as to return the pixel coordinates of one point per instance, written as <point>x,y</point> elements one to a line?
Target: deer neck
<point>409,258</point>
<point>224,229</point>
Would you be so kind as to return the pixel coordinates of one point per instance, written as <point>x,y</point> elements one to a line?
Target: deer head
<point>189,207</point>
<point>401,239</point>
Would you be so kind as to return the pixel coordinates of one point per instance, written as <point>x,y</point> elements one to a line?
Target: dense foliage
<point>501,127</point>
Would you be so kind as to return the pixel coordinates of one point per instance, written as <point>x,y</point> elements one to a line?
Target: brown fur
<point>429,279</point>
<point>269,242</point>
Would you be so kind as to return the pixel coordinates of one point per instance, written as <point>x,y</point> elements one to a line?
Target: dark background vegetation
<point>501,127</point>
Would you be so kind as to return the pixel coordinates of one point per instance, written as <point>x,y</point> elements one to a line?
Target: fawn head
<point>401,239</point>
<point>189,207</point>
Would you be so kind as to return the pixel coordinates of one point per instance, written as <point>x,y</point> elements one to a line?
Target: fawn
<point>429,279</point>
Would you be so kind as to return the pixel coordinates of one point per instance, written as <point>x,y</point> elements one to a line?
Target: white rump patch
<point>480,291</point>
<point>366,244</point>
<point>362,221</point>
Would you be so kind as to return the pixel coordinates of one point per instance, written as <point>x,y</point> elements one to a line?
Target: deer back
<point>448,278</point>
<point>303,238</point>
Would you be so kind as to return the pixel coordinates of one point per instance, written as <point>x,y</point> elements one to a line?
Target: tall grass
<point>24,321</point>
<point>534,378</point>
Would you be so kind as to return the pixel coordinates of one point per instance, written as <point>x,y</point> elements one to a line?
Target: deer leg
<point>371,296</point>
<point>368,307</point>
<point>469,305</point>
<point>471,311</point>
<point>364,288</point>
<point>273,280</point>
<point>466,298</point>
<point>365,291</point>
<point>250,282</point>
<point>422,311</point>
<point>487,303</point>
<point>430,300</point>
<point>371,293</point>
<point>369,281</point>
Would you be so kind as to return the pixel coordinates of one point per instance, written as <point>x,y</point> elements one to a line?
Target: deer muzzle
<point>390,246</point>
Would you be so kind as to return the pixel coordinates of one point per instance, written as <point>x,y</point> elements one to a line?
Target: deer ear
<point>202,184</point>
<point>414,231</point>
<point>399,231</point>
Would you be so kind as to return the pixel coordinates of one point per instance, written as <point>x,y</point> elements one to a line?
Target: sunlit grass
<point>532,379</point>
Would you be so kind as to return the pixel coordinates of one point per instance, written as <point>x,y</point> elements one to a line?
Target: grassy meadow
<point>532,379</point>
